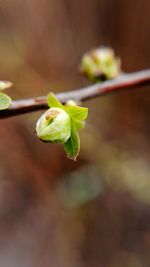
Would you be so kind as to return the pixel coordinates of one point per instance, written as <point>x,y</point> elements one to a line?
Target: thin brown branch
<point>124,81</point>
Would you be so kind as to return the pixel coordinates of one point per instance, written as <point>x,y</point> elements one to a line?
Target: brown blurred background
<point>54,212</point>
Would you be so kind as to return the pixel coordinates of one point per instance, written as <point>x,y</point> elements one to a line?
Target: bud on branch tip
<point>60,124</point>
<point>101,64</point>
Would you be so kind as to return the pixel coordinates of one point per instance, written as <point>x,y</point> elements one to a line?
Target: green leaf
<point>78,124</point>
<point>4,85</point>
<point>53,102</point>
<point>5,101</point>
<point>72,146</point>
<point>77,113</point>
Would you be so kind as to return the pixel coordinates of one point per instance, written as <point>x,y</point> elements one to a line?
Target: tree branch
<point>124,81</point>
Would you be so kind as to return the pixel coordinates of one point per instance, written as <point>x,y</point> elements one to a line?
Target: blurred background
<point>95,212</point>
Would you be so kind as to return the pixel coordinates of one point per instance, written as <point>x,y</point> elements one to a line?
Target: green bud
<point>101,63</point>
<point>54,126</point>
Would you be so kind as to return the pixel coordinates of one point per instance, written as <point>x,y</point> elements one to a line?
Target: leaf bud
<point>101,64</point>
<point>54,126</point>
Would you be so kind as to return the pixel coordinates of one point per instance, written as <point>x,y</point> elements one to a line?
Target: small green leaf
<point>77,113</point>
<point>78,124</point>
<point>72,146</point>
<point>4,85</point>
<point>53,102</point>
<point>5,101</point>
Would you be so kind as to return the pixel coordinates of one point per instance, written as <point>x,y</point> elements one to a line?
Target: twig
<point>124,81</point>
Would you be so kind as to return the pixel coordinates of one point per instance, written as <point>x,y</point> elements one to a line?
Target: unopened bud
<point>54,126</point>
<point>101,63</point>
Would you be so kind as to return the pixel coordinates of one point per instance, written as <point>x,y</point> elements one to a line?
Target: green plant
<point>60,124</point>
<point>64,118</point>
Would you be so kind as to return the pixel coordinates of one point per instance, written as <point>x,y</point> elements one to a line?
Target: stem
<point>124,81</point>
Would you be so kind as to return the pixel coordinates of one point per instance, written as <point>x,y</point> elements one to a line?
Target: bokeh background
<point>95,212</point>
